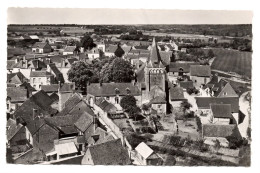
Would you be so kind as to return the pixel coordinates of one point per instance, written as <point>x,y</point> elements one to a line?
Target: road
<point>244,106</point>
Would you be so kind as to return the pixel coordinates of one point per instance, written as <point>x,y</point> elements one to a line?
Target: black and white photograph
<point>132,87</point>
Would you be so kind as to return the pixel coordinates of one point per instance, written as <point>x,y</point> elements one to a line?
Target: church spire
<point>154,54</point>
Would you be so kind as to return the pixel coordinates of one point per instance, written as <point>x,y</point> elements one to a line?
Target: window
<point>7,105</point>
<point>107,97</point>
<point>34,86</point>
<point>159,106</point>
<point>40,86</point>
<point>225,93</point>
<point>39,79</point>
<point>33,80</point>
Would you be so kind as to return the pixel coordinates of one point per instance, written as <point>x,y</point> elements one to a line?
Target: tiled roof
<point>204,102</point>
<point>39,45</point>
<point>213,130</point>
<point>111,48</point>
<point>27,86</point>
<point>200,70</point>
<point>40,101</point>
<point>20,78</point>
<point>186,84</point>
<point>54,97</point>
<point>67,87</point>
<point>109,153</point>
<point>165,57</point>
<point>144,150</point>
<point>63,123</point>
<point>176,93</point>
<point>158,100</point>
<point>84,122</point>
<point>10,64</point>
<point>155,56</point>
<point>144,47</point>
<point>56,71</point>
<point>176,66</point>
<point>221,110</point>
<point>108,89</point>
<point>12,129</point>
<point>69,48</point>
<point>126,48</point>
<point>17,94</point>
<point>40,74</point>
<point>105,105</point>
<point>50,88</point>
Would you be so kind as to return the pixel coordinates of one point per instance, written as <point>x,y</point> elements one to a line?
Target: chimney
<point>94,123</point>
<point>35,111</point>
<point>26,63</point>
<point>17,120</point>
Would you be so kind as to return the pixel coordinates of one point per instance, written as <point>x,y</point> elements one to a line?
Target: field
<point>232,61</point>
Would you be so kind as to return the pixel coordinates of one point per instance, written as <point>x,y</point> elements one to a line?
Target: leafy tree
<point>80,73</point>
<point>128,102</point>
<point>211,53</point>
<point>185,105</point>
<point>119,70</point>
<point>119,51</point>
<point>145,108</point>
<point>134,111</point>
<point>87,42</point>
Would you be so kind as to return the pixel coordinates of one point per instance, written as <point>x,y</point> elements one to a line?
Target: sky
<point>125,16</point>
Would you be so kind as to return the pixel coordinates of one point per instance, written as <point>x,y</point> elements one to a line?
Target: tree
<point>211,53</point>
<point>128,102</point>
<point>87,42</point>
<point>80,73</point>
<point>119,51</point>
<point>119,70</point>
<point>185,105</point>
<point>145,108</point>
<point>134,111</point>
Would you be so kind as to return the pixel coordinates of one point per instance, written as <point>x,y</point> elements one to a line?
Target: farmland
<point>232,61</point>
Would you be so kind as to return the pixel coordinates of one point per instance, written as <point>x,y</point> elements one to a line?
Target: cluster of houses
<point>50,120</point>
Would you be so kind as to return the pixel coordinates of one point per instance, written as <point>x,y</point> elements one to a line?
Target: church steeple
<point>154,54</point>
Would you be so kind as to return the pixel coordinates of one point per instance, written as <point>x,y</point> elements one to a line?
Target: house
<point>108,153</point>
<point>112,92</point>
<point>94,53</point>
<point>186,84</point>
<point>62,150</point>
<point>110,50</point>
<point>19,138</point>
<point>65,91</point>
<point>101,46</point>
<point>41,47</point>
<point>69,50</point>
<point>39,78</point>
<point>38,104</point>
<point>158,103</point>
<point>58,76</point>
<point>34,37</point>
<point>126,48</point>
<point>50,89</point>
<point>25,66</point>
<point>200,74</point>
<point>176,96</point>
<point>16,78</point>
<point>146,156</point>
<point>220,114</point>
<point>9,66</point>
<point>220,88</point>
<point>213,132</point>
<point>203,105</point>
<point>15,98</point>
<point>180,68</point>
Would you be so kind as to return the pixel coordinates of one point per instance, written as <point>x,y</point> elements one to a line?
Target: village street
<point>244,106</point>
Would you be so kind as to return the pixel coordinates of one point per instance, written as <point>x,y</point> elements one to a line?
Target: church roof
<point>155,55</point>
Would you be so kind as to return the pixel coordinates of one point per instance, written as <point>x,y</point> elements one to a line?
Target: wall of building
<point>87,159</point>
<point>160,108</point>
<point>198,81</point>
<point>63,97</point>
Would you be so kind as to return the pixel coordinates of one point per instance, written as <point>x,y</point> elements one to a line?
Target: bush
<point>192,90</point>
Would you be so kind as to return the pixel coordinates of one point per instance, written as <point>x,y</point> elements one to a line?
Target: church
<point>152,81</point>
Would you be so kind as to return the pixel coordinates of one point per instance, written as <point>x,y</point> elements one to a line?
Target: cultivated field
<point>232,61</point>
